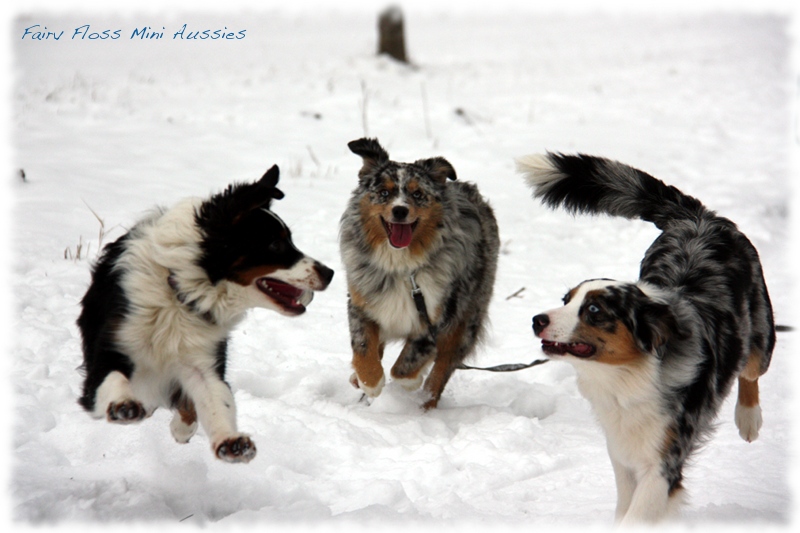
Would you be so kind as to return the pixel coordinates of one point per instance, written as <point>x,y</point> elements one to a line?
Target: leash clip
<point>414,287</point>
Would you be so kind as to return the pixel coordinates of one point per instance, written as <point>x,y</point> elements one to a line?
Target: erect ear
<point>371,152</point>
<point>439,168</point>
<point>266,185</point>
<point>244,198</point>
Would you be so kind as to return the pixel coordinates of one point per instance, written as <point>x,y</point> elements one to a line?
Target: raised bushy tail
<point>587,184</point>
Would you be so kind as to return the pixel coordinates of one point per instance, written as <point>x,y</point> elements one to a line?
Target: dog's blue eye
<point>383,193</point>
<point>593,309</point>
<point>416,195</point>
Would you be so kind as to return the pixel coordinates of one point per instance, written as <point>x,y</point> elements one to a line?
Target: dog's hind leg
<point>114,400</point>
<point>184,421</point>
<point>748,411</point>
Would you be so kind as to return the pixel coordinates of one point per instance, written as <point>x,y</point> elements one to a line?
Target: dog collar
<point>172,281</point>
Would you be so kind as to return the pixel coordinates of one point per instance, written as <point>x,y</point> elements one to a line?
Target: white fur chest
<point>394,309</point>
<point>627,402</point>
<point>160,330</point>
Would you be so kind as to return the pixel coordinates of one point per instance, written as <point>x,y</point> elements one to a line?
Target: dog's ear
<point>266,185</point>
<point>439,168</point>
<point>655,325</point>
<point>244,198</point>
<point>371,152</point>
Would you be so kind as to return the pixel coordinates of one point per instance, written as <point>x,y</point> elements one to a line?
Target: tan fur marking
<point>428,220</point>
<point>188,414</point>
<point>425,232</point>
<point>748,392</point>
<point>618,348</point>
<point>748,380</point>
<point>446,346</point>
<point>752,370</point>
<point>571,294</point>
<point>356,298</point>
<point>374,230</point>
<point>367,361</point>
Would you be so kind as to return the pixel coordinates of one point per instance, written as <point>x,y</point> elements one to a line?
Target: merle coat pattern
<point>407,219</point>
<point>698,318</point>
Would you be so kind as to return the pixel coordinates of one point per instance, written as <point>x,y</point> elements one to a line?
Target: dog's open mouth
<point>399,234</point>
<point>289,297</point>
<point>578,349</point>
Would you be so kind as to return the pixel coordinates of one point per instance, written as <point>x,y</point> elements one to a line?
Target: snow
<point>106,129</point>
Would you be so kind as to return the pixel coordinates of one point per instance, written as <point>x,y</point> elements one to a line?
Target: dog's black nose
<point>539,323</point>
<point>399,212</point>
<point>325,273</point>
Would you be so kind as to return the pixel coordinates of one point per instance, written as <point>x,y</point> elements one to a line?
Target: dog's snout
<point>540,322</point>
<point>399,212</point>
<point>325,274</point>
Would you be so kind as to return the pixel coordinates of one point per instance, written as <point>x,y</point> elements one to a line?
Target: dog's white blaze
<point>400,201</point>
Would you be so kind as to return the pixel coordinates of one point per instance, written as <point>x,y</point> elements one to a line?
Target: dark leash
<point>422,309</point>
<point>510,367</point>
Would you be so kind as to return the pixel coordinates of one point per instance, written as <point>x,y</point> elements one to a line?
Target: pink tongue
<point>400,235</point>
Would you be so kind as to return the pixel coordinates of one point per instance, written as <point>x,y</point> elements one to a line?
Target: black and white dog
<point>657,357</point>
<point>164,298</point>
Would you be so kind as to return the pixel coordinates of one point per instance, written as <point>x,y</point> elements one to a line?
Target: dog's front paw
<point>125,412</point>
<point>238,449</point>
<point>410,384</point>
<point>430,404</point>
<point>372,392</point>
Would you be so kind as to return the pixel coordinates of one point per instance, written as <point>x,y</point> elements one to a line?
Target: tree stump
<point>391,36</point>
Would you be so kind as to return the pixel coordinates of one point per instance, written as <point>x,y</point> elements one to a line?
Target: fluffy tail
<point>587,184</point>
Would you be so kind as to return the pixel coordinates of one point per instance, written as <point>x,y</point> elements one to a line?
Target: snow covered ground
<point>104,129</point>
